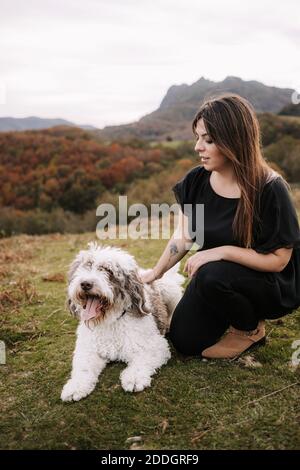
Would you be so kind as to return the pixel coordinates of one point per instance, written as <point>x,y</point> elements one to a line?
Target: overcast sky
<point>105,62</point>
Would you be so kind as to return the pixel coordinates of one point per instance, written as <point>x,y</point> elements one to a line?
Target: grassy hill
<point>192,404</point>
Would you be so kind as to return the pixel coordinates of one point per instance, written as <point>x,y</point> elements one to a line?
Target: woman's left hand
<point>203,257</point>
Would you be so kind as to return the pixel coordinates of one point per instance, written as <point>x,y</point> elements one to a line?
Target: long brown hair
<point>232,124</point>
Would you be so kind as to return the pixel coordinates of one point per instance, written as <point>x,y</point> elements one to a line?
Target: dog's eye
<point>88,264</point>
<point>106,270</point>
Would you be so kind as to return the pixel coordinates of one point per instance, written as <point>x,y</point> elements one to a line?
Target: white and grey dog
<point>121,319</point>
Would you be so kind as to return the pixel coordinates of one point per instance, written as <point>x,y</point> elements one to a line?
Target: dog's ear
<point>135,289</point>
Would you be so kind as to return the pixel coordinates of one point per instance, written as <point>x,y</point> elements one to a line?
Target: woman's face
<point>210,156</point>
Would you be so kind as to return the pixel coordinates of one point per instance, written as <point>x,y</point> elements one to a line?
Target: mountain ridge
<point>172,119</point>
<point>8,124</point>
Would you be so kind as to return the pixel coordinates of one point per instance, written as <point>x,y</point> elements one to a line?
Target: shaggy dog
<point>121,319</point>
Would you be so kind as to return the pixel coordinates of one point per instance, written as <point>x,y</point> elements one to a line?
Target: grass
<point>290,118</point>
<point>192,404</point>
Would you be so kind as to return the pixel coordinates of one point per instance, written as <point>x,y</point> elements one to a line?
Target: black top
<point>278,226</point>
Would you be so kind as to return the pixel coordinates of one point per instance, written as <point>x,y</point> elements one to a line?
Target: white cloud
<point>103,62</point>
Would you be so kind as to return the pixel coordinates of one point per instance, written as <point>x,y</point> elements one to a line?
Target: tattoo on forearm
<point>173,249</point>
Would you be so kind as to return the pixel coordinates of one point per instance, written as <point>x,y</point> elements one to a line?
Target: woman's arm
<point>176,249</point>
<point>271,262</point>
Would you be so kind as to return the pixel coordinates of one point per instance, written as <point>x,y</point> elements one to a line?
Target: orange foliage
<point>67,167</point>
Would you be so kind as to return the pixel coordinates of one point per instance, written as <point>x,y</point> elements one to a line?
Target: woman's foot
<point>235,342</point>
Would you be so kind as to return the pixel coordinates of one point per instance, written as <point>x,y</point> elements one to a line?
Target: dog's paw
<point>74,391</point>
<point>133,382</point>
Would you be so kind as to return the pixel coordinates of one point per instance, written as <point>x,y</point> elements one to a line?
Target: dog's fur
<point>130,322</point>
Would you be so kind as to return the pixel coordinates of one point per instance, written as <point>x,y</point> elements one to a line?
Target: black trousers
<point>222,293</point>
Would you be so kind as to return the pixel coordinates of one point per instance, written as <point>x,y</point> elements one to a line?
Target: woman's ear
<point>135,289</point>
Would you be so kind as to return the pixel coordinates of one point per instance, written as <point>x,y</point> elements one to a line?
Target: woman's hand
<point>149,275</point>
<point>202,257</point>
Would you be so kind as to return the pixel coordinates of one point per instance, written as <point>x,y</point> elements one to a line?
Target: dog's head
<point>102,283</point>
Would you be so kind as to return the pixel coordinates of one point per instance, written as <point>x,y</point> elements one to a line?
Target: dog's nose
<point>86,285</point>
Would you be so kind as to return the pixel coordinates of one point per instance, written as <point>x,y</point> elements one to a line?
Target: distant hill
<point>291,110</point>
<point>34,123</point>
<point>173,117</point>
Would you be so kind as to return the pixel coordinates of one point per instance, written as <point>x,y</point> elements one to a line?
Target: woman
<point>248,268</point>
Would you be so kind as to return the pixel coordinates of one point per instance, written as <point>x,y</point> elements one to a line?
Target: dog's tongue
<point>90,310</point>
